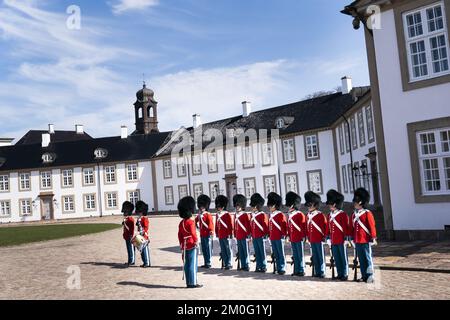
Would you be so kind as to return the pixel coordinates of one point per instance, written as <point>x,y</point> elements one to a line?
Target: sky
<point>199,56</point>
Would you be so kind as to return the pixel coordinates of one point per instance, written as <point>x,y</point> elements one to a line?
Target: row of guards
<point>275,229</point>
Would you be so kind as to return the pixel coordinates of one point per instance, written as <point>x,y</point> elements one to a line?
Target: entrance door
<point>231,188</point>
<point>47,208</point>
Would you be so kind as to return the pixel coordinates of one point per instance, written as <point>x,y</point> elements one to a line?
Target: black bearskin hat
<point>240,200</point>
<point>335,198</point>
<point>203,201</point>
<point>293,200</point>
<point>274,200</point>
<point>312,199</point>
<point>186,207</point>
<point>257,201</point>
<point>141,207</point>
<point>127,208</point>
<point>221,202</point>
<point>362,197</point>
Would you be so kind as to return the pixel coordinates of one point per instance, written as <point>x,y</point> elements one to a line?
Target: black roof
<point>35,136</point>
<point>137,147</point>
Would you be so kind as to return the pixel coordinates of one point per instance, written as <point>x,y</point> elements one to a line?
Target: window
<point>247,156</point>
<point>132,172</point>
<point>267,155</point>
<point>356,173</point>
<point>198,190</point>
<point>197,165</point>
<point>68,203</point>
<point>212,161</point>
<point>24,181</point>
<point>249,187</point>
<point>46,180</point>
<point>181,167</point>
<point>341,139</point>
<point>269,184</point>
<point>4,183</point>
<point>88,176</point>
<point>167,169</point>
<point>168,191</point>
<point>111,200</point>
<point>344,179</point>
<point>445,140</point>
<point>366,177</point>
<point>89,202</point>
<point>25,207</point>
<point>182,191</point>
<point>5,208</point>
<point>346,135</point>
<point>315,181</point>
<point>214,190</point>
<point>67,178</point>
<point>289,150</point>
<point>350,177</point>
<point>353,131</point>
<point>370,127</point>
<point>110,174</point>
<point>312,147</point>
<point>229,159</point>
<point>291,182</point>
<point>133,196</point>
<point>426,42</point>
<point>361,129</point>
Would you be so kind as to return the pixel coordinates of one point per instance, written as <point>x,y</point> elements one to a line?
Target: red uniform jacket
<point>145,224</point>
<point>277,225</point>
<point>205,223</point>
<point>362,234</point>
<point>296,226</point>
<point>224,225</point>
<point>128,228</point>
<point>338,227</point>
<point>259,225</point>
<point>242,225</point>
<point>316,235</point>
<point>187,234</point>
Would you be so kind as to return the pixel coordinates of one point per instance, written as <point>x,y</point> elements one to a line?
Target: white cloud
<point>131,5</point>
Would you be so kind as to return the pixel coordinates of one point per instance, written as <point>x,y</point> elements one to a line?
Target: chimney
<point>346,85</point>
<point>51,128</point>
<point>197,121</point>
<point>45,140</point>
<point>246,108</point>
<point>79,129</point>
<point>123,132</point>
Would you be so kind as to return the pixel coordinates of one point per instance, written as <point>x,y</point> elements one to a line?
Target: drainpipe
<point>99,187</point>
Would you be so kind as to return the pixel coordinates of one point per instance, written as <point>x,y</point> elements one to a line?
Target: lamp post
<point>99,155</point>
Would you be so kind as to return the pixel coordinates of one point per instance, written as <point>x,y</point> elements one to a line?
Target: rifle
<point>333,276</point>
<point>272,255</point>
<point>355,265</point>
<point>312,260</point>
<point>238,256</point>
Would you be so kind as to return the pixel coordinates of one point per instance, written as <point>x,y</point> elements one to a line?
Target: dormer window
<point>280,123</point>
<point>100,153</point>
<point>48,158</point>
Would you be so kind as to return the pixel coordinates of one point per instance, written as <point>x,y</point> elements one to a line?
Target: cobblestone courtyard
<point>40,271</point>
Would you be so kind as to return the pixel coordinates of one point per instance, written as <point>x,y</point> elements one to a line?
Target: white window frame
<point>370,124</point>
<point>287,183</point>
<point>67,178</point>
<point>247,157</point>
<point>167,168</point>
<point>132,172</point>
<point>198,190</point>
<point>45,179</point>
<point>341,139</point>
<point>310,185</point>
<point>361,128</point>
<point>197,164</point>
<point>5,208</point>
<point>90,202</point>
<point>168,191</point>
<point>181,193</point>
<point>213,191</point>
<point>133,196</point>
<point>312,151</point>
<point>26,204</point>
<point>344,179</point>
<point>88,176</point>
<point>4,183</point>
<point>267,154</point>
<point>229,155</point>
<point>249,187</point>
<point>354,133</point>
<point>269,187</point>
<point>289,153</point>
<point>110,174</point>
<point>212,161</point>
<point>68,204</point>
<point>24,181</point>
<point>111,200</point>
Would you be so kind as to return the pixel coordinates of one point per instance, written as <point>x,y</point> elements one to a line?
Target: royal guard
<point>317,229</point>
<point>296,232</point>
<point>363,233</point>
<point>260,230</point>
<point>128,231</point>
<point>143,225</point>
<point>242,230</point>
<point>338,233</point>
<point>277,231</point>
<point>187,236</point>
<point>205,223</point>
<point>224,231</point>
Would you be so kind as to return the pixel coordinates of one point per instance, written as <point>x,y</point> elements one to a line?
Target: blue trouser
<point>243,253</point>
<point>278,251</point>
<point>299,256</point>
<point>260,253</point>
<point>206,250</point>
<point>340,259</point>
<point>318,259</point>
<point>130,251</point>
<point>145,255</point>
<point>225,252</point>
<point>190,267</point>
<point>364,251</point>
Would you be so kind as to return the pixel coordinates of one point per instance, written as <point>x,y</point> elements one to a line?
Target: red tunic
<point>187,234</point>
<point>338,227</point>
<point>277,225</point>
<point>145,223</point>
<point>224,225</point>
<point>297,226</point>
<point>362,234</point>
<point>259,225</point>
<point>205,223</point>
<point>242,225</point>
<point>316,234</point>
<point>128,228</point>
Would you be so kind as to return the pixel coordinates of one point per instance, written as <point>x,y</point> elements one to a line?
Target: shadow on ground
<point>146,285</point>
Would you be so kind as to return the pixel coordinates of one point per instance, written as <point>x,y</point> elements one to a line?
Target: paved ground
<point>47,271</point>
